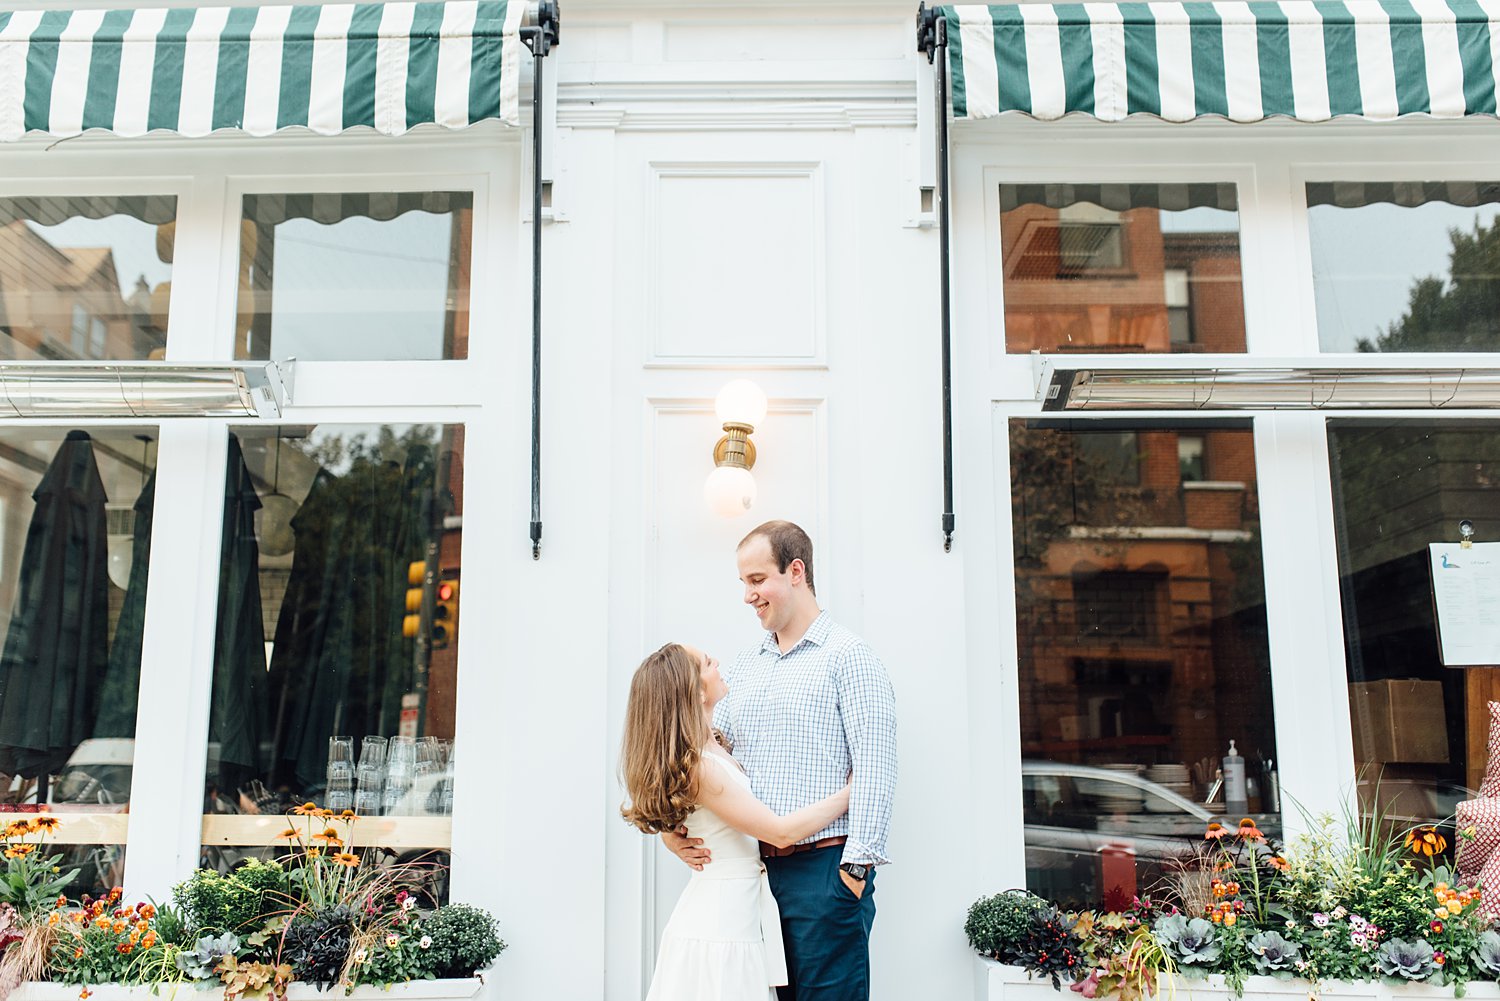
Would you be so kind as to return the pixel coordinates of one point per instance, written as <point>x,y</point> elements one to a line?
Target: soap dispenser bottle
<point>1236,797</point>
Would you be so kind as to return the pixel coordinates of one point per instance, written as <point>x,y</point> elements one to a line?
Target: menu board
<point>1466,592</point>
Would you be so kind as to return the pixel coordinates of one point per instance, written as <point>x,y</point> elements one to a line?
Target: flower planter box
<point>416,990</point>
<point>994,982</point>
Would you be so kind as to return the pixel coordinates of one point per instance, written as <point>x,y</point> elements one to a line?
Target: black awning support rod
<point>932,40</point>
<point>540,37</point>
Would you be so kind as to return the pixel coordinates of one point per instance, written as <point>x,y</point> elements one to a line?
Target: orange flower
<point>329,834</point>
<point>115,894</point>
<point>1425,841</point>
<point>1278,863</point>
<point>1215,832</point>
<point>322,814</point>
<point>348,815</point>
<point>46,822</point>
<point>347,859</point>
<point>288,834</point>
<point>16,829</point>
<point>54,919</point>
<point>19,851</point>
<point>61,901</point>
<point>78,954</point>
<point>306,809</point>
<point>84,994</point>
<point>147,911</point>
<point>149,940</point>
<point>1248,831</point>
<point>1229,920</point>
<point>314,851</point>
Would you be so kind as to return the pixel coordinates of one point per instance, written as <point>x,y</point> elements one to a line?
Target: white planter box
<point>994,982</point>
<point>416,990</point>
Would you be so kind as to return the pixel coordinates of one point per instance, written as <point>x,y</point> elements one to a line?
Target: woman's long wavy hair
<point>665,732</point>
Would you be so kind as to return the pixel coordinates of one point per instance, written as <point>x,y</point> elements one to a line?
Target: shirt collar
<point>816,634</point>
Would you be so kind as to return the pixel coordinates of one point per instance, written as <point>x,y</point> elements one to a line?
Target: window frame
<point>487,393</point>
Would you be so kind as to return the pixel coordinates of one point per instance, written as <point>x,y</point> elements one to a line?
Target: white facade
<point>736,192</point>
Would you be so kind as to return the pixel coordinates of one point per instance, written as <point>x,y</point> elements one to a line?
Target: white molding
<point>653,281</point>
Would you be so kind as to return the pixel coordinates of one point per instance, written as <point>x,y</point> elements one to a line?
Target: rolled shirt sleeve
<point>867,705</point>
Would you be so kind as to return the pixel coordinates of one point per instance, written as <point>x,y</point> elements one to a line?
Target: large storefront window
<point>1122,267</point>
<point>355,277</point>
<point>1406,266</point>
<point>1420,729</point>
<point>336,655</point>
<point>85,277</point>
<point>75,538</point>
<point>1142,653</point>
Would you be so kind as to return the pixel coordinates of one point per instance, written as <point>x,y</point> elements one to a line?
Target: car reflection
<point>1099,837</point>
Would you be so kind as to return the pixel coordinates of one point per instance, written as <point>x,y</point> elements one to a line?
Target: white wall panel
<point>735,262</point>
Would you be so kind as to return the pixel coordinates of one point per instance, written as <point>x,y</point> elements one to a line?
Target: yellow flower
<point>315,851</point>
<point>46,822</point>
<point>1229,920</point>
<point>16,829</point>
<point>1441,912</point>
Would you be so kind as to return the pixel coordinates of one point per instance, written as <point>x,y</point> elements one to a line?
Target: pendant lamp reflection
<point>730,489</point>
<point>120,549</point>
<point>273,522</point>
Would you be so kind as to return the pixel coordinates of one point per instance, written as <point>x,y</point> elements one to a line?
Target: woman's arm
<point>741,810</point>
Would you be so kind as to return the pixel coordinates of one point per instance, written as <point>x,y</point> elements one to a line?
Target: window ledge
<point>1227,485</point>
<point>415,990</point>
<point>1011,983</point>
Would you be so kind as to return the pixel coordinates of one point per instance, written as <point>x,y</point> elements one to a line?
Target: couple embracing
<point>773,781</point>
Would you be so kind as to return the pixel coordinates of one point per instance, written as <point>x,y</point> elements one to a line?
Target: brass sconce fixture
<point>730,489</point>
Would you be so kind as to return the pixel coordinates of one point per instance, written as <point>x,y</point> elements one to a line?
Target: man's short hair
<point>788,542</point>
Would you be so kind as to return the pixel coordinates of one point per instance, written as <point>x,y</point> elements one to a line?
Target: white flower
<point>426,942</point>
<point>1290,924</point>
<point>361,955</point>
<point>1320,919</point>
<point>392,940</point>
<point>408,903</point>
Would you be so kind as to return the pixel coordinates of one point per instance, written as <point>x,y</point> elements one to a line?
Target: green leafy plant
<point>997,925</point>
<point>210,901</point>
<point>465,940</point>
<point>32,879</point>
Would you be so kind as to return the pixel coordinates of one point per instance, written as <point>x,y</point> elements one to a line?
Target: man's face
<point>767,589</point>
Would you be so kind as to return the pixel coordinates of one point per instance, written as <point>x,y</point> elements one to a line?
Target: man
<point>809,708</point>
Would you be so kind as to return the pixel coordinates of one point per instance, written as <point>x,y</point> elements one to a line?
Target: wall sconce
<point>730,489</point>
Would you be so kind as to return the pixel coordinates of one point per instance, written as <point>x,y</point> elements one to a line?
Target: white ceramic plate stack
<point>1174,777</point>
<point>1119,797</point>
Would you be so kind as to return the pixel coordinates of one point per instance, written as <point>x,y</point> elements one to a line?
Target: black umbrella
<point>238,710</point>
<point>122,683</point>
<point>57,648</point>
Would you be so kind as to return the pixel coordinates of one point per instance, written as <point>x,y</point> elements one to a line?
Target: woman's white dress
<point>723,941</point>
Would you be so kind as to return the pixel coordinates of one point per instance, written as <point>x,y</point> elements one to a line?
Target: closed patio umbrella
<point>57,647</point>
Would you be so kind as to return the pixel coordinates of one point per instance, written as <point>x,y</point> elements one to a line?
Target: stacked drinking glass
<point>340,774</point>
<point>371,777</point>
<point>400,772</point>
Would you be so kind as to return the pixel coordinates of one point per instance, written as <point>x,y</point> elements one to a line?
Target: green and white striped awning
<point>1311,60</point>
<point>193,71</point>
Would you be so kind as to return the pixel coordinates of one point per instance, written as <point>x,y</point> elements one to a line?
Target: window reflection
<point>85,277</point>
<point>75,536</point>
<point>1406,266</point>
<point>1121,267</point>
<point>1142,651</point>
<point>355,277</point>
<point>1420,729</point>
<point>336,657</point>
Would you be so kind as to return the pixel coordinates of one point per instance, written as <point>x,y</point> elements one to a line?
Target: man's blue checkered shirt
<point>801,721</point>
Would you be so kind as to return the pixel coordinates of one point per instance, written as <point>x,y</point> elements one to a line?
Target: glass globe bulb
<point>729,491</point>
<point>741,402</point>
<point>274,524</point>
<point>119,557</point>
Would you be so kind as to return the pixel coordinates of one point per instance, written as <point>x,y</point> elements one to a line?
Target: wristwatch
<point>855,870</point>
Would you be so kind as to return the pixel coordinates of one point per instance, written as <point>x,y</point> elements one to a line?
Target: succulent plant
<point>1407,960</point>
<point>1191,942</point>
<point>200,961</point>
<point>1487,953</point>
<point>1270,952</point>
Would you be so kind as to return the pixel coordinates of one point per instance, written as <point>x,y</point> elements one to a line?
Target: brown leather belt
<point>771,851</point>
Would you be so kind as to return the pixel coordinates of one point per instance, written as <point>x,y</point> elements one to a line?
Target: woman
<point>723,941</point>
